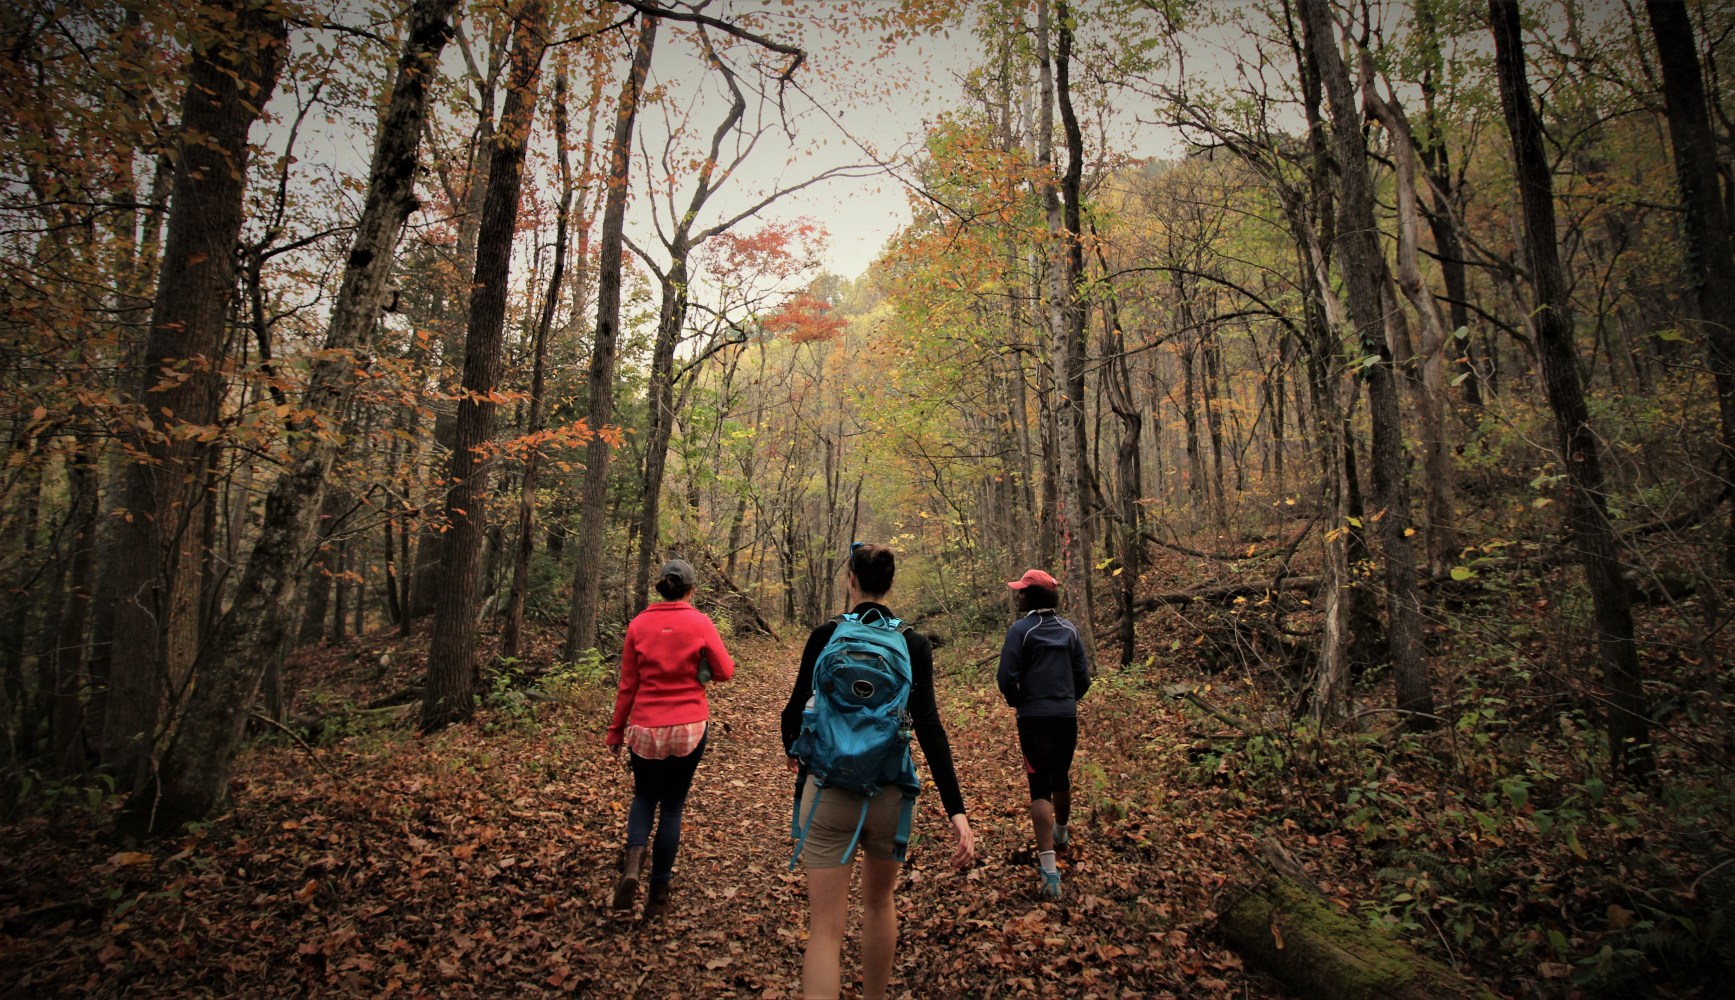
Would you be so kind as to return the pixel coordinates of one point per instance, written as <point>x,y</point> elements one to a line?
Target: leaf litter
<point>480,861</point>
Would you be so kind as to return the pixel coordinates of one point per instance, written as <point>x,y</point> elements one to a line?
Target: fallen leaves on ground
<point>479,862</point>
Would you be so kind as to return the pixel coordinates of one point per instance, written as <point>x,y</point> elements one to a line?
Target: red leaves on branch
<point>804,319</point>
<point>779,250</point>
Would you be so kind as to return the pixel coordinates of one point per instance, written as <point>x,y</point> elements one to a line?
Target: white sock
<point>1046,860</point>
<point>1059,833</point>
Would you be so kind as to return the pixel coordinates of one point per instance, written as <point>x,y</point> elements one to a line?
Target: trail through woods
<point>480,862</point>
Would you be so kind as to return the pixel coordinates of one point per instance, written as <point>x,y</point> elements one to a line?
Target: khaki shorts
<point>834,825</point>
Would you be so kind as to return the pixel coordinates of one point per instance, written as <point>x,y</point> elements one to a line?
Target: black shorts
<point>1048,743</point>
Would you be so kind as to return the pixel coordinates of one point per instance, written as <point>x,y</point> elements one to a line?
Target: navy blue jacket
<point>1043,670</point>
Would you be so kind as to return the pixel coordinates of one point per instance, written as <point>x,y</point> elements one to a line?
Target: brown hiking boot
<point>657,902</point>
<point>632,867</point>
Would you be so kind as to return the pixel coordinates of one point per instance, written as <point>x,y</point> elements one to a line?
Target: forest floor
<point>479,861</point>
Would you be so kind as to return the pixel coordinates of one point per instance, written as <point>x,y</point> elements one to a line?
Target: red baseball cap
<point>1034,578</point>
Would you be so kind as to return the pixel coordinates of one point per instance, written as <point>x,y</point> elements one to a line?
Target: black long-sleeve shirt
<point>924,712</point>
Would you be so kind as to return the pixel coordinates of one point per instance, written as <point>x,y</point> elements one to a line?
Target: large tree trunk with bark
<point>512,637</point>
<point>156,555</point>
<point>450,695</point>
<point>659,405</point>
<point>1440,544</point>
<point>1591,533</point>
<point>588,566</point>
<point>1308,213</point>
<point>1363,268</point>
<point>194,779</point>
<point>1710,247</point>
<point>1129,485</point>
<point>1061,197</point>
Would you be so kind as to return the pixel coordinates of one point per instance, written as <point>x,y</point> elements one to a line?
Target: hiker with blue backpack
<point>1043,672</point>
<point>671,651</point>
<point>864,684</point>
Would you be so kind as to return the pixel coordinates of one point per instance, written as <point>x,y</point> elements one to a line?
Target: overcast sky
<point>853,93</point>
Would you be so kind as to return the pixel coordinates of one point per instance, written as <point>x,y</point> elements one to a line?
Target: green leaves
<point>1517,792</point>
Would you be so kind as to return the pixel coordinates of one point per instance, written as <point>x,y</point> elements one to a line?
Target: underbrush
<point>1500,840</point>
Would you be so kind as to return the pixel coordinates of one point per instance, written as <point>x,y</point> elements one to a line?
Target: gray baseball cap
<point>681,570</point>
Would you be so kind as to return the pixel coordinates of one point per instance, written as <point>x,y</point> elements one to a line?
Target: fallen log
<point>1190,694</point>
<point>1225,592</point>
<point>1283,924</point>
<point>1284,551</point>
<point>752,609</point>
<point>400,697</point>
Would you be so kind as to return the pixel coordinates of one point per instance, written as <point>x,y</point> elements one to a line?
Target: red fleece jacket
<point>659,668</point>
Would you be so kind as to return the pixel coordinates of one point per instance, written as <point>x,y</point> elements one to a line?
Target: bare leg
<point>827,912</point>
<point>879,926</point>
<point>1042,816</point>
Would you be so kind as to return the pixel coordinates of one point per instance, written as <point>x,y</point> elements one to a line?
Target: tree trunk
<point>671,319</point>
<point>1710,256</point>
<point>1066,311</point>
<point>1214,427</point>
<point>340,593</point>
<point>1196,489</point>
<point>1363,265</point>
<point>1580,449</point>
<point>194,779</point>
<point>1442,216</point>
<point>156,555</point>
<point>1308,213</point>
<point>30,699</point>
<point>1441,539</point>
<point>70,681</point>
<point>450,695</point>
<point>316,594</point>
<point>512,639</point>
<point>587,570</point>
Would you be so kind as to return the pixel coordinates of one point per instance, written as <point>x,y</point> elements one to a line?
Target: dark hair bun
<point>874,567</point>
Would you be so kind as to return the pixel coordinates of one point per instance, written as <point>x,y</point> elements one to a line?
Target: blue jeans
<point>661,783</point>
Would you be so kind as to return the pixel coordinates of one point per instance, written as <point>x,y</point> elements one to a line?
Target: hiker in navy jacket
<point>1043,673</point>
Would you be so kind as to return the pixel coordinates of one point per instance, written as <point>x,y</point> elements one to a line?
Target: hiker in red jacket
<point>671,649</point>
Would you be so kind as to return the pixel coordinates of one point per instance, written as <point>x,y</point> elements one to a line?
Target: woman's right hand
<point>965,851</point>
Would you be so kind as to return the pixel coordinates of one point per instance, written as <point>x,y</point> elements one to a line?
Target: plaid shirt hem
<point>659,742</point>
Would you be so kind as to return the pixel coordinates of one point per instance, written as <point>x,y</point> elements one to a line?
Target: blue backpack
<point>855,731</point>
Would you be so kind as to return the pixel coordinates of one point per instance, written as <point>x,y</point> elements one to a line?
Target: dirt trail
<point>739,916</point>
<point>480,863</point>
